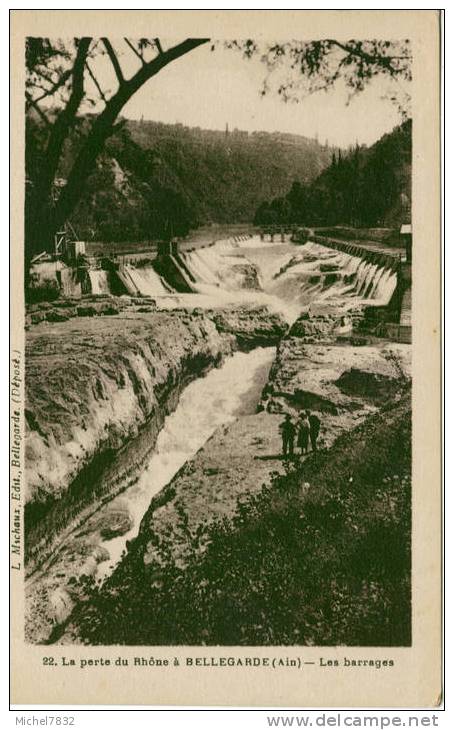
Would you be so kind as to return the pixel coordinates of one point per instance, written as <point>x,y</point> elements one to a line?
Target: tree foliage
<point>64,80</point>
<point>296,69</point>
<point>364,187</point>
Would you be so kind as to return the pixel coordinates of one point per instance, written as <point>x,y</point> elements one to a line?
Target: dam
<point>285,274</point>
<point>185,357</point>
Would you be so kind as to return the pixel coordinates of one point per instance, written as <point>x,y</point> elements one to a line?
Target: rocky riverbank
<point>103,375</point>
<point>320,556</point>
<point>344,385</point>
<point>98,391</point>
<point>240,458</point>
<point>94,382</point>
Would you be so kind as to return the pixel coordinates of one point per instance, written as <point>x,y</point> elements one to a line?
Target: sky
<point>211,89</point>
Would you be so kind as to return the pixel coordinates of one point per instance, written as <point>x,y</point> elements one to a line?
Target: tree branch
<point>31,101</point>
<point>95,81</point>
<point>60,82</point>
<point>384,61</point>
<point>114,60</point>
<point>134,50</point>
<point>103,125</point>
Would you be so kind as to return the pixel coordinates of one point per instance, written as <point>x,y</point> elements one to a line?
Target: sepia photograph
<point>218,362</point>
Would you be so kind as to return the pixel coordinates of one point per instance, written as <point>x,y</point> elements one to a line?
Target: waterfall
<point>71,287</point>
<point>204,266</point>
<point>376,280</point>
<point>206,404</point>
<point>147,281</point>
<point>368,280</point>
<point>385,287</point>
<point>245,267</point>
<point>361,276</point>
<point>99,281</point>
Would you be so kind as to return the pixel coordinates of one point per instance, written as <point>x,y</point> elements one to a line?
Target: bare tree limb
<point>158,45</point>
<point>134,49</point>
<point>32,102</point>
<point>96,83</point>
<point>114,60</point>
<point>103,126</point>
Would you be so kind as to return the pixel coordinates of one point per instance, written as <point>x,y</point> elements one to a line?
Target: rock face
<point>92,386</point>
<point>250,329</point>
<point>210,486</point>
<point>239,458</point>
<point>95,384</point>
<point>306,563</point>
<point>90,306</point>
<point>208,403</point>
<point>340,383</point>
<point>233,464</point>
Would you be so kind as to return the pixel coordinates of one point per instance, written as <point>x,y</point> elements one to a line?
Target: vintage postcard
<point>225,358</point>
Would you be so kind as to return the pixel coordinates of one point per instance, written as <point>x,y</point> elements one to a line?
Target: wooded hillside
<point>157,179</point>
<point>364,187</point>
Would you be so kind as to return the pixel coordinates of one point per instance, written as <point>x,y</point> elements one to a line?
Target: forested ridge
<point>214,177</point>
<point>366,186</point>
<point>156,179</point>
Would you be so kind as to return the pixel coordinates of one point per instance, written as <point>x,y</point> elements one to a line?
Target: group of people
<point>307,429</point>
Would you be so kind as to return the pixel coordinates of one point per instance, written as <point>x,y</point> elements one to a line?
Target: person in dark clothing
<point>314,429</point>
<point>303,433</point>
<point>287,429</point>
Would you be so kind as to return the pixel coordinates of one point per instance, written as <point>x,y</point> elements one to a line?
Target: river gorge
<point>154,412</point>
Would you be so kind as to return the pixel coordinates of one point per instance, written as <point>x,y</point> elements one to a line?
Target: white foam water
<point>147,281</point>
<point>99,281</point>
<point>207,403</point>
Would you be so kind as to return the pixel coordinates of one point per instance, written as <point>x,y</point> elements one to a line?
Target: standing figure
<point>287,429</point>
<point>314,429</point>
<point>303,433</point>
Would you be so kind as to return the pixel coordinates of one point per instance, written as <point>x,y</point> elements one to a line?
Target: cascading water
<point>99,281</point>
<point>385,287</point>
<point>289,277</point>
<point>317,274</point>
<point>243,271</point>
<point>148,282</point>
<point>70,285</point>
<point>207,403</point>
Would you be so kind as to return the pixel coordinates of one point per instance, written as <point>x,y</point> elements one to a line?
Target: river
<point>243,271</point>
<point>215,400</point>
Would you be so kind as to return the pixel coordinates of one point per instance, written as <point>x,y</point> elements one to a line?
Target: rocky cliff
<point>98,383</point>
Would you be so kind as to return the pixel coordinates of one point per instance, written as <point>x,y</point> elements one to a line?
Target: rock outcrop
<point>96,384</point>
<point>93,384</point>
<point>341,383</point>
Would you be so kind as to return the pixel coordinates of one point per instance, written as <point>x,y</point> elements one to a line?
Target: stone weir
<point>395,317</point>
<point>391,259</point>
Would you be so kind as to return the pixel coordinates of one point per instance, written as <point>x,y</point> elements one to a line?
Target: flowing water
<point>238,270</point>
<point>99,281</point>
<point>280,275</point>
<point>207,403</point>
